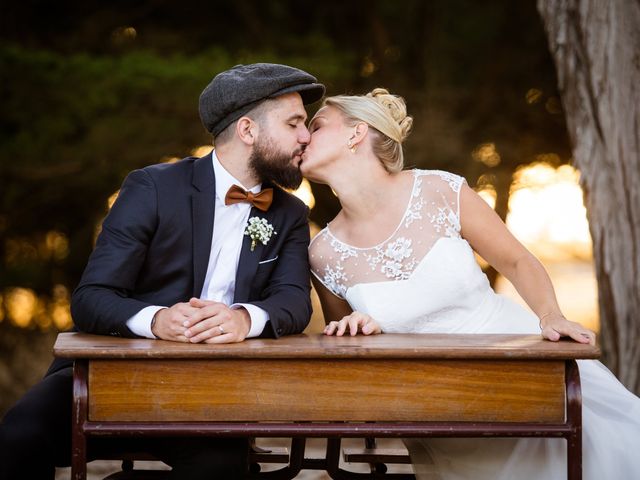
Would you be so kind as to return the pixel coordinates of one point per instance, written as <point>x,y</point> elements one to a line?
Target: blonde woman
<point>398,257</point>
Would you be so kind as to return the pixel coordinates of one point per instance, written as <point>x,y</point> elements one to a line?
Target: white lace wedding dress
<point>424,279</point>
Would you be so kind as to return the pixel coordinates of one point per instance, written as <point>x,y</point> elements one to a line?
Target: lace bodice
<point>432,213</point>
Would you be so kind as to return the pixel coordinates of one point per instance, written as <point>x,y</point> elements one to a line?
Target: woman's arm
<point>489,236</point>
<point>333,308</point>
<point>339,316</point>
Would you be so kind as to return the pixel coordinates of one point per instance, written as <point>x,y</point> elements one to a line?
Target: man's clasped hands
<point>201,321</point>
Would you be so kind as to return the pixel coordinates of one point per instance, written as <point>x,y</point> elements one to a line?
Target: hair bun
<point>396,107</point>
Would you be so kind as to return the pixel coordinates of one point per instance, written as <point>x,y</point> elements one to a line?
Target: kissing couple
<point>215,250</point>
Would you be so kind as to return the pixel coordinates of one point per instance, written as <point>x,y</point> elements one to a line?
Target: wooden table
<point>316,386</point>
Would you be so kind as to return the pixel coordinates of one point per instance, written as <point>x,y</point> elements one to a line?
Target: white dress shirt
<point>226,243</point>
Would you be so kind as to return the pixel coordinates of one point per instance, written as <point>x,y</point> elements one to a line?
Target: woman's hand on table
<point>555,326</point>
<point>355,323</point>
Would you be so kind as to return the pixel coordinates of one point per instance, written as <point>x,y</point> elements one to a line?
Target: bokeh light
<point>488,194</point>
<point>201,151</point>
<point>304,193</point>
<point>21,305</point>
<point>533,95</point>
<point>547,212</point>
<point>487,154</point>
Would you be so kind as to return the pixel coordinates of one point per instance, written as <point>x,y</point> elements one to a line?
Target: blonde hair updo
<point>386,114</point>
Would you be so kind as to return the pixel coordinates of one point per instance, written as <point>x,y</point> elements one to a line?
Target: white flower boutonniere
<point>259,230</point>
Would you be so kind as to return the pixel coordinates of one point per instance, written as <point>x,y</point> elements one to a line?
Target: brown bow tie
<point>261,200</point>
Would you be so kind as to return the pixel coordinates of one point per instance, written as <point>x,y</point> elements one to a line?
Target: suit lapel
<point>248,263</point>
<point>203,212</point>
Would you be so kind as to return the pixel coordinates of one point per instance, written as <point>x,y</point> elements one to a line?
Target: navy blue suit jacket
<point>154,250</point>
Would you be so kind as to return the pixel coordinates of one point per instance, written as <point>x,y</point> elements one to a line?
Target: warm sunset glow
<point>122,34</point>
<point>533,95</point>
<point>57,245</point>
<point>576,290</point>
<point>112,199</point>
<point>368,67</point>
<point>59,308</point>
<point>489,195</point>
<point>21,305</point>
<point>201,151</point>
<point>24,308</point>
<point>487,154</point>
<point>553,105</point>
<point>305,194</point>
<point>129,32</point>
<point>547,212</point>
<point>19,250</point>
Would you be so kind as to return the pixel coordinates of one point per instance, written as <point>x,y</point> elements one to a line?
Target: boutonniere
<point>259,230</point>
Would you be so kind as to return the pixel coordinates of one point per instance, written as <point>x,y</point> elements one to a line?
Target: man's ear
<point>247,130</point>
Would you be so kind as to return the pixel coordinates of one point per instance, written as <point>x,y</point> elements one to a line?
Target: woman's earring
<point>352,147</point>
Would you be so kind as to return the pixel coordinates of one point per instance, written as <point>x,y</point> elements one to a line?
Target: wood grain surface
<point>331,389</point>
<point>467,346</point>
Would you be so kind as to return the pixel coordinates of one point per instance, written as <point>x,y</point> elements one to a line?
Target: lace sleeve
<point>456,182</point>
<point>325,266</point>
<point>446,217</point>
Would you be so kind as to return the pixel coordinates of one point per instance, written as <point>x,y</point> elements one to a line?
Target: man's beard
<point>271,164</point>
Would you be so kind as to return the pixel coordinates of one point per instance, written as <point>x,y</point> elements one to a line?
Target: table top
<point>440,346</point>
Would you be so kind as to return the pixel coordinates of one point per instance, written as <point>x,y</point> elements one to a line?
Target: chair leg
<point>378,467</point>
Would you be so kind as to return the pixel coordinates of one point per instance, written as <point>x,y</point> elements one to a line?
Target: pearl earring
<point>351,147</point>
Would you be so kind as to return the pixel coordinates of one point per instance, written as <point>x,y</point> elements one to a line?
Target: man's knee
<point>25,447</point>
<point>40,420</point>
<point>19,433</point>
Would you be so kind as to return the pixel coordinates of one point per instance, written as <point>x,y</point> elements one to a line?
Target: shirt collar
<point>224,180</point>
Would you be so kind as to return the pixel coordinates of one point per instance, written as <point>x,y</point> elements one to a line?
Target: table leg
<point>296,460</point>
<point>78,419</point>
<point>574,419</point>
<point>333,458</point>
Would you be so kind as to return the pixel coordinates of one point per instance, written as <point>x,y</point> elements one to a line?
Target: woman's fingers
<point>583,335</point>
<point>337,328</point>
<point>550,334</point>
<point>562,327</point>
<point>331,328</point>
<point>342,326</point>
<point>371,327</point>
<point>355,322</point>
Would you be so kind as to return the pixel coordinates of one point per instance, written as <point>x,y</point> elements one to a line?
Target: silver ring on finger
<point>222,332</point>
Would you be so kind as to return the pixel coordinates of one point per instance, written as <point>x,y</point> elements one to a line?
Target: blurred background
<point>91,90</point>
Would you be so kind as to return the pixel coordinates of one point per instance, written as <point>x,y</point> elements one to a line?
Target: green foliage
<point>83,104</point>
<point>74,125</point>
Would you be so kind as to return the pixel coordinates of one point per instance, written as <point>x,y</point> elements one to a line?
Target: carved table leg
<point>78,419</point>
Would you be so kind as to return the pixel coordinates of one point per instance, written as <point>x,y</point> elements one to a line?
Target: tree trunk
<point>596,48</point>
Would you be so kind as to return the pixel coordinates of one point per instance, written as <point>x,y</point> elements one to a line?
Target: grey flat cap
<point>234,92</point>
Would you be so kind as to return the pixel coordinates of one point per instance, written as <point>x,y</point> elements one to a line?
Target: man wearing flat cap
<point>208,249</point>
